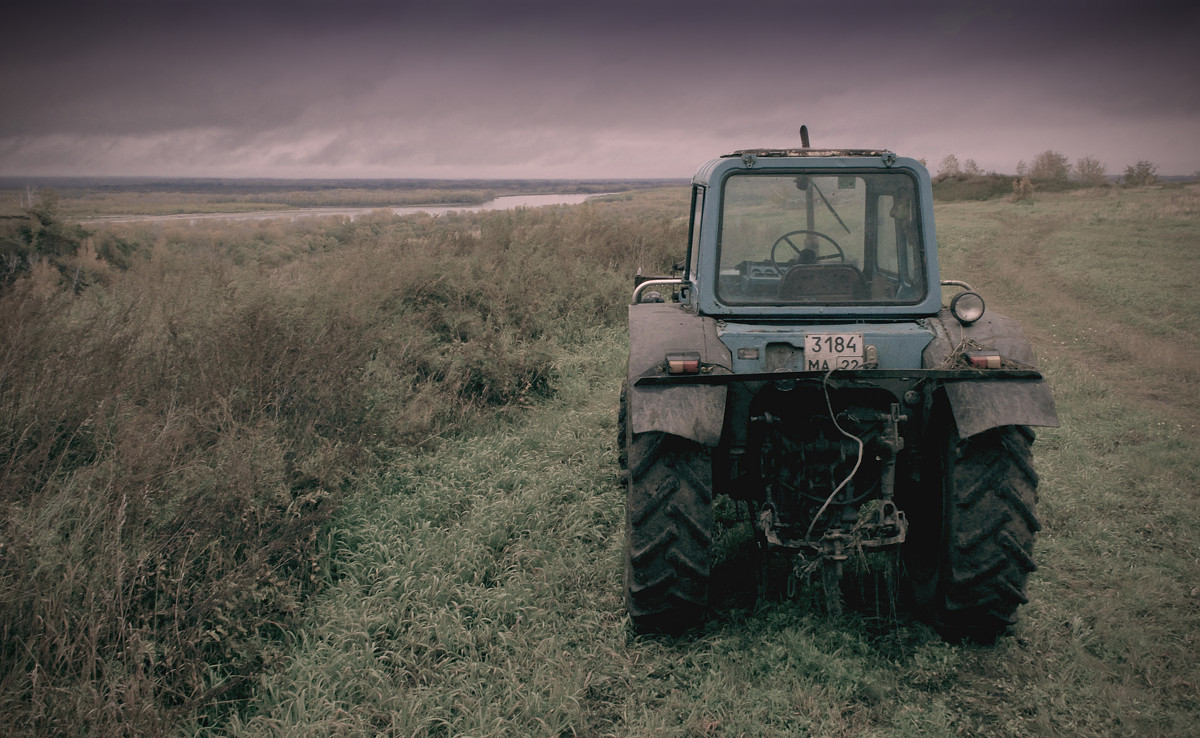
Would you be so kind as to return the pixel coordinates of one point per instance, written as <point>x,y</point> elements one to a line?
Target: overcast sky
<point>567,89</point>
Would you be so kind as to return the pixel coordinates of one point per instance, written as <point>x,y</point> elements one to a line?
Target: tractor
<point>807,363</point>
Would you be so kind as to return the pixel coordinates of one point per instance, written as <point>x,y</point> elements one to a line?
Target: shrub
<point>1090,172</point>
<point>1050,166</point>
<point>39,237</point>
<point>964,187</point>
<point>1141,174</point>
<point>1022,190</point>
<point>948,167</point>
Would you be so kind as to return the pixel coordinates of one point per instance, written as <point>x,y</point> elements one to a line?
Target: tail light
<point>683,363</point>
<point>985,359</point>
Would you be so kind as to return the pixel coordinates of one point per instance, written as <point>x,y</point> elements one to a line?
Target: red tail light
<point>685,363</point>
<point>984,359</point>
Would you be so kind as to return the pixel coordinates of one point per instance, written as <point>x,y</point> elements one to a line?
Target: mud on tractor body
<point>803,366</point>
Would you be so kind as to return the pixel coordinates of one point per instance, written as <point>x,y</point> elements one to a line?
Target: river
<point>507,202</point>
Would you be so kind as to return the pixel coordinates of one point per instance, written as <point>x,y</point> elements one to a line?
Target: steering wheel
<point>786,238</point>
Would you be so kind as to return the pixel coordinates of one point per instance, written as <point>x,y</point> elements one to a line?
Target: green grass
<point>477,593</point>
<point>469,582</point>
<point>1102,649</point>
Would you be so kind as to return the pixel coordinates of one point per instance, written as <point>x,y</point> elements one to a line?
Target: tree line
<point>1053,167</point>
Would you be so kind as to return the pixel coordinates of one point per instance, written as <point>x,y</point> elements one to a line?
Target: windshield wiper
<point>828,205</point>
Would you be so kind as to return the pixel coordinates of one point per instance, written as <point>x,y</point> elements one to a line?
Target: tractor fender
<point>979,404</point>
<point>696,412</point>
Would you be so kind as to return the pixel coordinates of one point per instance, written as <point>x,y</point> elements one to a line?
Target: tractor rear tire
<point>972,582</point>
<point>668,531</point>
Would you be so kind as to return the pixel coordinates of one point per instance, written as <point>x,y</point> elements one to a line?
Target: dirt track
<point>1009,262</point>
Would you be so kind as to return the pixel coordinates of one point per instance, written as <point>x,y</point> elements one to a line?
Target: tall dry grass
<point>173,434</point>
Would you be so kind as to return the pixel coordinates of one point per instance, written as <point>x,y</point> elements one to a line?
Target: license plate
<point>825,351</point>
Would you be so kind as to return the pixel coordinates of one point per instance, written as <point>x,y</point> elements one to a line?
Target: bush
<point>1090,172</point>
<point>963,187</point>
<point>1022,190</point>
<point>948,167</point>
<point>1050,166</point>
<point>1140,175</point>
<point>38,240</point>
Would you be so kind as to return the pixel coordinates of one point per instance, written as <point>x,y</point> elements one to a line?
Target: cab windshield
<point>837,239</point>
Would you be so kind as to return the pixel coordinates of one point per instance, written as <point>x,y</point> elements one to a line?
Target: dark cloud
<point>619,88</point>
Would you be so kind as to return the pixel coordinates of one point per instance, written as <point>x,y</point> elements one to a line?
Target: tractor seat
<point>816,282</point>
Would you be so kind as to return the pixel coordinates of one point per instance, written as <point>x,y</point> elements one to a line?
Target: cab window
<point>797,238</point>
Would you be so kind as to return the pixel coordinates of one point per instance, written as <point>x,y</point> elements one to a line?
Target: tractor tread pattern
<point>668,531</point>
<point>993,489</point>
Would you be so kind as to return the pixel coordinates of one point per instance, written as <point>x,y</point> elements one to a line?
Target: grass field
<point>469,581</point>
<point>478,587</point>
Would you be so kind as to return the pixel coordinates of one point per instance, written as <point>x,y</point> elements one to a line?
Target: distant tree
<point>1050,166</point>
<point>971,169</point>
<point>949,166</point>
<point>1090,172</point>
<point>1022,169</point>
<point>1141,174</point>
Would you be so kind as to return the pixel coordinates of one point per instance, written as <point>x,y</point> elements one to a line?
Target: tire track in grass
<point>1009,260</point>
<point>1112,612</point>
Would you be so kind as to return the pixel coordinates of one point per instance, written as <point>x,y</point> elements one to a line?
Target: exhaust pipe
<point>804,136</point>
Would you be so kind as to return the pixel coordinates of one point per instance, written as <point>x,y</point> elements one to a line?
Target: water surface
<point>507,202</point>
